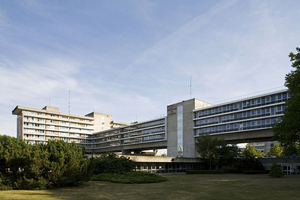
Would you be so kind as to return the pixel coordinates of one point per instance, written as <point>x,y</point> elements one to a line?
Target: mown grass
<point>181,186</point>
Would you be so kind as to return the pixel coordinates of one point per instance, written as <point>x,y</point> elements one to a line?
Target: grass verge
<point>179,186</point>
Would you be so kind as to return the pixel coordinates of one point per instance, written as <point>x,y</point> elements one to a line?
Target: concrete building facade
<point>243,120</point>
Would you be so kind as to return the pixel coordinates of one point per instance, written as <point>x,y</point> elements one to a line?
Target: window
<point>279,97</point>
<point>258,101</point>
<point>279,108</point>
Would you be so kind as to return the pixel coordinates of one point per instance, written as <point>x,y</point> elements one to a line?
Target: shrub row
<point>204,172</point>
<point>129,177</point>
<point>254,172</point>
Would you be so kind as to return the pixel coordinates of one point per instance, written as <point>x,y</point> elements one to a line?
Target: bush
<point>204,172</point>
<point>229,169</point>
<point>111,163</point>
<point>254,172</point>
<point>40,166</point>
<point>130,177</point>
<point>276,171</point>
<point>248,164</point>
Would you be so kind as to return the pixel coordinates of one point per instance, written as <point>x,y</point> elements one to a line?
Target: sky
<point>132,58</point>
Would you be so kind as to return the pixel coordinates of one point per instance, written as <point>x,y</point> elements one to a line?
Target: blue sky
<point>133,58</point>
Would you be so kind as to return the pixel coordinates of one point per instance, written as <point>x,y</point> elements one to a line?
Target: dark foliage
<point>287,132</point>
<point>111,163</point>
<point>215,151</point>
<point>40,166</point>
<point>248,164</point>
<point>276,171</point>
<point>254,172</point>
<point>204,172</point>
<point>130,177</point>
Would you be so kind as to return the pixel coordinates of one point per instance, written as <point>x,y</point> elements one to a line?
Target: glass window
<point>272,111</point>
<point>267,110</point>
<point>267,99</point>
<point>253,112</point>
<point>263,122</point>
<point>279,97</point>
<point>279,108</point>
<point>252,102</point>
<point>284,96</point>
<point>239,115</point>
<point>180,130</point>
<point>263,100</point>
<point>267,121</point>
<point>258,122</point>
<point>263,111</point>
<point>272,121</point>
<point>253,123</point>
<point>273,98</point>
<point>258,101</point>
<point>258,112</point>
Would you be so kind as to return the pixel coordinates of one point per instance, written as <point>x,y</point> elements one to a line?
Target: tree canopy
<point>39,166</point>
<point>251,151</point>
<point>216,151</point>
<point>276,151</point>
<point>287,131</point>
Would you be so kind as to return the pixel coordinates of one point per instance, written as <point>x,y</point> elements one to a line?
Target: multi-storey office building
<point>257,113</point>
<point>244,120</point>
<point>40,125</point>
<point>137,134</point>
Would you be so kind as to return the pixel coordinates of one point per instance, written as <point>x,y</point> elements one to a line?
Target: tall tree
<point>216,151</point>
<point>251,151</point>
<point>276,151</point>
<point>288,130</point>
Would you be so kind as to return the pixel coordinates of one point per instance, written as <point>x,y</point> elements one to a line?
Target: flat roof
<point>242,99</point>
<point>18,109</point>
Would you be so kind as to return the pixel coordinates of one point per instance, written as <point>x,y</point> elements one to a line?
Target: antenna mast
<point>190,86</point>
<point>69,103</point>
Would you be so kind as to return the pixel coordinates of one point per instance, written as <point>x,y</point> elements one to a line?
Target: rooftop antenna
<point>69,103</point>
<point>190,86</point>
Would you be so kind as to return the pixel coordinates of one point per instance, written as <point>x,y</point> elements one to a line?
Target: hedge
<point>254,172</point>
<point>204,172</point>
<point>130,177</point>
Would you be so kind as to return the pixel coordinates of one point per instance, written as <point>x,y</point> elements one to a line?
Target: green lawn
<point>181,186</point>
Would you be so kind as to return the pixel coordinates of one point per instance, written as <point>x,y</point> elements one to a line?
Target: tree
<point>251,151</point>
<point>216,150</point>
<point>276,151</point>
<point>276,171</point>
<point>288,130</point>
<point>39,166</point>
<point>227,154</point>
<point>208,148</point>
